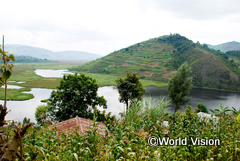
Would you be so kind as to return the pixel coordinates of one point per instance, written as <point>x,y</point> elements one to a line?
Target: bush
<point>202,108</point>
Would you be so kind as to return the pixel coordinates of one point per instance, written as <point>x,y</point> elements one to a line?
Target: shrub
<point>202,108</point>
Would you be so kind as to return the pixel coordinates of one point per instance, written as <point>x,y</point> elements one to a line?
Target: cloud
<point>104,26</point>
<point>200,9</point>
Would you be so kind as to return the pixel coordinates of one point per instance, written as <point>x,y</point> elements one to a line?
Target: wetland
<point>31,94</point>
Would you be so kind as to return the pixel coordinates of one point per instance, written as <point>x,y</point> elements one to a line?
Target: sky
<point>105,26</point>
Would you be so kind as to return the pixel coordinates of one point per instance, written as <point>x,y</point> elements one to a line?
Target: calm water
<point>52,73</point>
<point>12,86</point>
<point>21,109</point>
<point>211,98</point>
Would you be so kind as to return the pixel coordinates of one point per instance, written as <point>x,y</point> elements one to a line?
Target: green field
<point>25,73</point>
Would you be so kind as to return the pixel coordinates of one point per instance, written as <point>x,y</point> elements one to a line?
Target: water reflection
<point>12,87</point>
<point>111,94</point>
<point>21,109</point>
<point>211,98</point>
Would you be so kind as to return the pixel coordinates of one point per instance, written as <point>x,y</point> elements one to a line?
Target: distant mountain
<point>20,50</point>
<point>158,58</point>
<point>29,59</point>
<point>226,46</point>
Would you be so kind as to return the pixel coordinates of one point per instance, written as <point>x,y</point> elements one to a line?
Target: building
<point>78,123</point>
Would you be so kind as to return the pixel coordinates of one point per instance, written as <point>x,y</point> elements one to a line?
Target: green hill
<point>158,58</point>
<point>226,46</point>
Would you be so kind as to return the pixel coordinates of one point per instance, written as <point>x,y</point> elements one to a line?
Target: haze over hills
<point>23,50</point>
<point>226,46</point>
<point>158,58</point>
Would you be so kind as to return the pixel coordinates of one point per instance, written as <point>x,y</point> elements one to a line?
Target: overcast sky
<point>103,26</point>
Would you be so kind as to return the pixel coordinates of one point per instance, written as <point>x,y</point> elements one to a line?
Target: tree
<point>130,89</point>
<point>179,86</point>
<point>76,96</point>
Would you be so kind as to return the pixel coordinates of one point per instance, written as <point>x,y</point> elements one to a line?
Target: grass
<point>16,94</point>
<point>25,73</point>
<point>50,83</point>
<point>107,80</point>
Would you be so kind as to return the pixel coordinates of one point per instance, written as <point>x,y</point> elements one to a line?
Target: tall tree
<point>76,96</point>
<point>130,89</point>
<point>179,86</point>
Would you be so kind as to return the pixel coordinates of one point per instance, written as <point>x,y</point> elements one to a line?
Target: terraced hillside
<point>158,58</point>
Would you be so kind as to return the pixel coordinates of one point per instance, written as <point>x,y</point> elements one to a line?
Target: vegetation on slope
<point>157,58</point>
<point>226,46</point>
<point>234,55</point>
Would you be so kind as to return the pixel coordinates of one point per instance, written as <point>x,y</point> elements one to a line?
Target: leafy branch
<point>9,150</point>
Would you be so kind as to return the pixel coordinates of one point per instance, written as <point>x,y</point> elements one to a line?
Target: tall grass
<point>151,109</point>
<point>156,108</point>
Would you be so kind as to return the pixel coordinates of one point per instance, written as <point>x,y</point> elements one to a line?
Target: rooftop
<point>78,123</point>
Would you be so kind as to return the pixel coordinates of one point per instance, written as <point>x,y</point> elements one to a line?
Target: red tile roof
<point>78,123</point>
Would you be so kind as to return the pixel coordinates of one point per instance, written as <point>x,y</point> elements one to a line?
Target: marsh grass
<point>16,94</point>
<point>25,73</point>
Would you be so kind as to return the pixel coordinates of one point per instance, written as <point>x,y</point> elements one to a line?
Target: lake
<point>52,73</point>
<point>211,98</point>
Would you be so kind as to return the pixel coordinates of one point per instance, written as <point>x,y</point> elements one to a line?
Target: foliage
<point>235,111</point>
<point>235,53</point>
<point>29,59</point>
<point>182,45</point>
<point>156,108</point>
<point>153,109</point>
<point>127,139</point>
<point>6,68</point>
<point>76,96</point>
<point>202,108</point>
<point>9,149</point>
<point>179,86</point>
<point>130,89</point>
<point>103,117</point>
<point>222,111</point>
<point>42,116</point>
<point>225,57</point>
<point>238,118</point>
